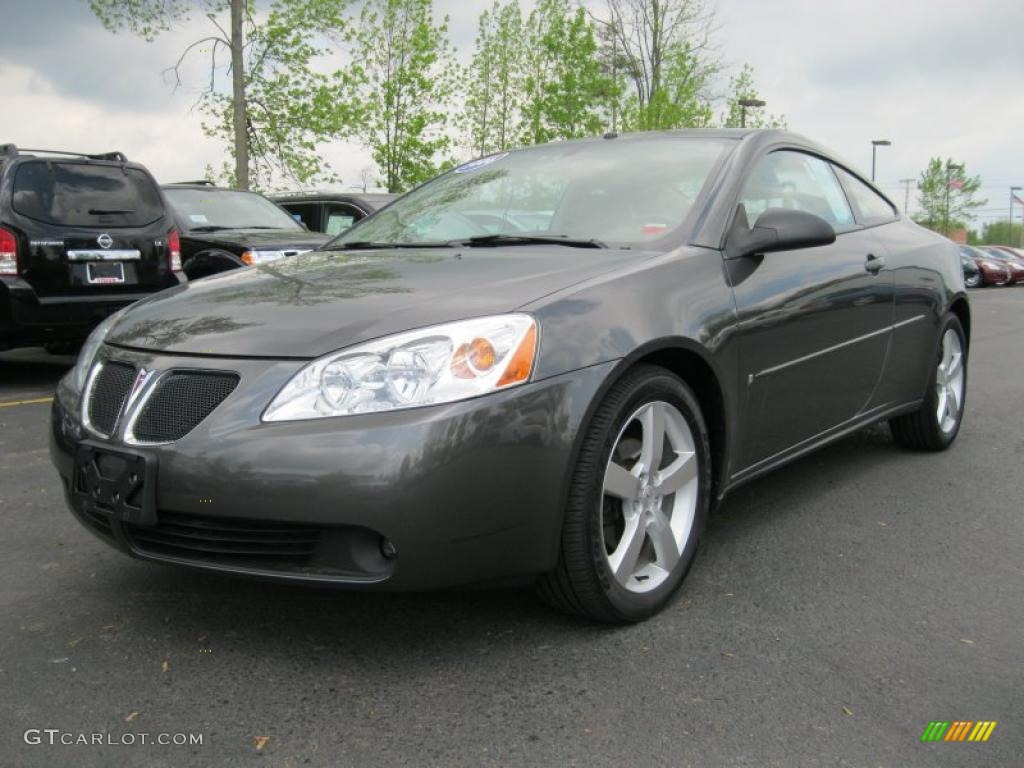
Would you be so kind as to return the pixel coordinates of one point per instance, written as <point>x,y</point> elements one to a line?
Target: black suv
<point>331,212</point>
<point>225,229</point>
<point>80,237</point>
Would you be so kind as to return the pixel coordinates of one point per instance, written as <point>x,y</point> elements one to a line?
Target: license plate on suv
<point>118,484</point>
<point>104,272</point>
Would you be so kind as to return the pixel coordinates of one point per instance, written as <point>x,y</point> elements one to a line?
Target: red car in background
<point>994,271</point>
<point>1011,258</point>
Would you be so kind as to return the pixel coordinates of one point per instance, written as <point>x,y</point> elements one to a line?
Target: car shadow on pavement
<point>286,619</point>
<point>31,370</point>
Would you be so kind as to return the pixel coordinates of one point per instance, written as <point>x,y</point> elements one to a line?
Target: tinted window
<point>340,217</point>
<point>871,207</point>
<point>199,209</point>
<point>623,192</point>
<point>799,182</point>
<point>86,195</point>
<point>307,213</point>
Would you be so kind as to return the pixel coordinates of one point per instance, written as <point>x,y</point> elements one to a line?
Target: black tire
<point>921,430</point>
<point>582,582</point>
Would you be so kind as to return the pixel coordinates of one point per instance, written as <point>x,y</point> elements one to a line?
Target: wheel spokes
<point>677,475</point>
<point>623,560</point>
<point>620,483</point>
<point>663,538</point>
<point>652,419</point>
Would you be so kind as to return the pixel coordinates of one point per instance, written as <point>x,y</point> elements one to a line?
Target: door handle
<point>874,263</point>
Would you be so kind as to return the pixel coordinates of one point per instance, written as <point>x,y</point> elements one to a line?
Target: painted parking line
<point>33,401</point>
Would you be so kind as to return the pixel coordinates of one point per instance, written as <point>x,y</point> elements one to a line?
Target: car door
<point>814,323</point>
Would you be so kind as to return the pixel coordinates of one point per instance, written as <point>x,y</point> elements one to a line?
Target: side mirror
<point>777,229</point>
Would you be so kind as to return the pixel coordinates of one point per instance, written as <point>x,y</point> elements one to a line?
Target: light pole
<point>906,198</point>
<point>1009,234</point>
<point>875,144</point>
<point>744,103</point>
<point>950,167</point>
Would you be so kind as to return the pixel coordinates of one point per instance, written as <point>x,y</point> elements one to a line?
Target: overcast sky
<point>935,77</point>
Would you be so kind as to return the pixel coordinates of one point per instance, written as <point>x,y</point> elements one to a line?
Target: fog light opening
<point>387,548</point>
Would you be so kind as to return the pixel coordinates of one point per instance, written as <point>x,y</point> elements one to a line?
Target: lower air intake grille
<point>181,400</point>
<point>228,541</point>
<point>109,391</point>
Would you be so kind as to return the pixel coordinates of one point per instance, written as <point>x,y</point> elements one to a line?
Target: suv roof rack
<point>12,150</point>
<point>199,182</point>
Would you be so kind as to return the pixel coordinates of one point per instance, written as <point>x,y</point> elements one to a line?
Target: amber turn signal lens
<point>521,365</point>
<point>248,257</point>
<point>481,355</point>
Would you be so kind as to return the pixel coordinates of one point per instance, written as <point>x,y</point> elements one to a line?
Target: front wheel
<point>935,425</point>
<point>637,504</point>
<point>973,280</point>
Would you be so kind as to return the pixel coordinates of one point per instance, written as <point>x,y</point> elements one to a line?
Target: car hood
<point>312,304</point>
<point>262,239</point>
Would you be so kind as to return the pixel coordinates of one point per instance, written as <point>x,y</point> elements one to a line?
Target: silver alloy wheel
<point>949,381</point>
<point>649,496</point>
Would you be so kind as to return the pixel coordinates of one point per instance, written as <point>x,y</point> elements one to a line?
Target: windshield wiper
<point>372,245</point>
<point>208,228</point>
<point>513,239</point>
<point>109,211</point>
<point>257,226</point>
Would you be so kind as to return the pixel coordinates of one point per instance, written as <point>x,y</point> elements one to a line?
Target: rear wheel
<point>935,425</point>
<point>637,503</point>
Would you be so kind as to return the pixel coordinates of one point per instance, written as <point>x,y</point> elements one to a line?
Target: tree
<point>1001,232</point>
<point>278,66</point>
<point>492,80</point>
<point>946,196</point>
<point>741,87</point>
<point>562,81</point>
<point>290,108</point>
<point>664,50</point>
<point>396,88</point>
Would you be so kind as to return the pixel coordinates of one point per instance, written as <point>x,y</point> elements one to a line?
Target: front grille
<point>228,541</point>
<point>181,400</point>
<point>109,391</point>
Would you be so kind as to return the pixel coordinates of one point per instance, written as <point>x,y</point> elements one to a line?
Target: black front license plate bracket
<point>118,483</point>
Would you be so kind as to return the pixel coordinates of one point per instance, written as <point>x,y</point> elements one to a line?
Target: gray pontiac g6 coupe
<point>544,366</point>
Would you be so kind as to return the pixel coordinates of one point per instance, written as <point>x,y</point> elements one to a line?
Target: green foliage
<point>741,86</point>
<point>680,99</point>
<point>290,109</point>
<point>492,81</point>
<point>148,18</point>
<point>394,93</point>
<point>1001,232</point>
<point>562,82</point>
<point>946,196</point>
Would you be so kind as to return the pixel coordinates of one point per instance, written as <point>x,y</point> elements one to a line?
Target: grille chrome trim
<point>90,390</point>
<point>152,386</point>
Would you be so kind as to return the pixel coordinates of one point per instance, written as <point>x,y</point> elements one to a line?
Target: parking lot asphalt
<point>837,607</point>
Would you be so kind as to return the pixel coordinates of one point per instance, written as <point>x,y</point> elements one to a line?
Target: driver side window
<point>797,181</point>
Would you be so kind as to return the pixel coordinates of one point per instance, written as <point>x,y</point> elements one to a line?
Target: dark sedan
<point>427,402</point>
<point>224,229</point>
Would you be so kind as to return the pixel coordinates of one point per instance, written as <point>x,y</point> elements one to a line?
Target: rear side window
<point>871,208</point>
<point>85,195</point>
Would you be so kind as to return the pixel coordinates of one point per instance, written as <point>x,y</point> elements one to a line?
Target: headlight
<point>433,365</point>
<point>92,344</point>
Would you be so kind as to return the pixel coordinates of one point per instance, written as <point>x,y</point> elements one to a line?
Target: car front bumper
<point>468,492</point>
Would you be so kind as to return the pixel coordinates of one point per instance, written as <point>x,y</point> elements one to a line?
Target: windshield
<point>80,194</point>
<point>623,193</point>
<point>199,209</point>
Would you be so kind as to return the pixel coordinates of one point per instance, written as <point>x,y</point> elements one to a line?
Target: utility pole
<point>906,196</point>
<point>1009,234</point>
